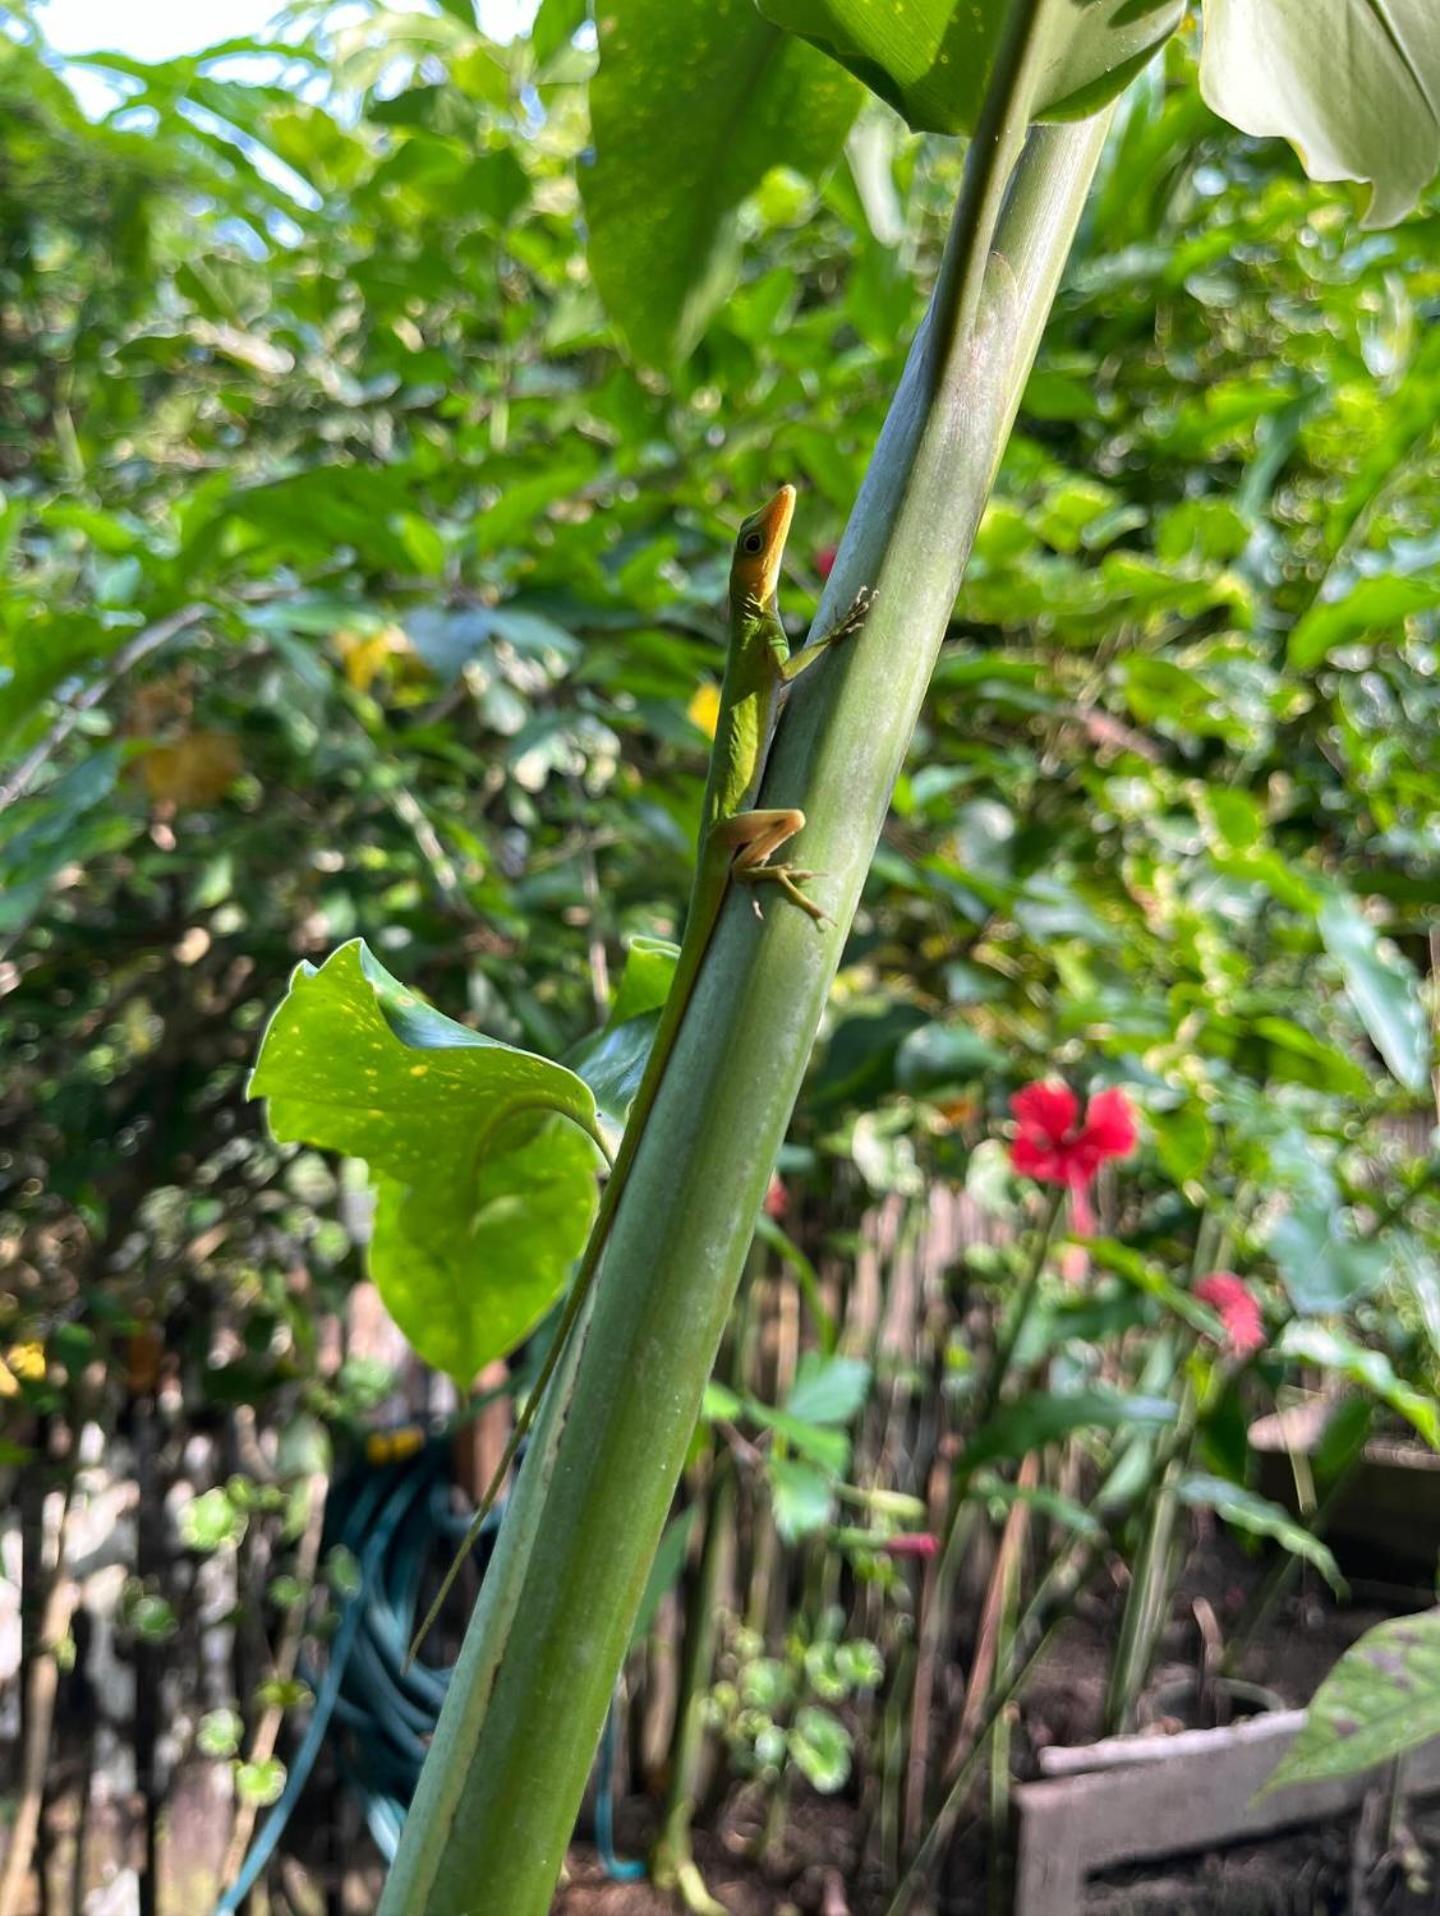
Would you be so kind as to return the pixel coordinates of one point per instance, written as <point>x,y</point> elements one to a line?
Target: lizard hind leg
<point>755,836</point>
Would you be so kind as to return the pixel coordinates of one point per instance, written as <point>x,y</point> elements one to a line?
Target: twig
<point>956,1523</point>
<point>267,1731</point>
<point>594,931</point>
<point>987,1642</point>
<point>42,1685</point>
<point>140,647</point>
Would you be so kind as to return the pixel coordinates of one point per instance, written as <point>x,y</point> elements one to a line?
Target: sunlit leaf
<point>933,59</point>
<point>1381,1699</point>
<point>1353,85</point>
<point>819,1746</point>
<point>691,108</point>
<point>484,1173</point>
<point>1377,606</point>
<point>1383,988</point>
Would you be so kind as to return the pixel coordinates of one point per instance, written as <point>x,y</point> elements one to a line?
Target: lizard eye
<point>753,541</point>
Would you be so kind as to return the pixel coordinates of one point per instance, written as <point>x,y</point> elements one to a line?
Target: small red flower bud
<point>1234,1304</point>
<point>912,1543</point>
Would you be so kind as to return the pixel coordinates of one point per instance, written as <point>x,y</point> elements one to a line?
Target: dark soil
<point>1308,1872</point>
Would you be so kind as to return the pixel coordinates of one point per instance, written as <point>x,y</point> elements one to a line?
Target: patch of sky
<point>156,30</point>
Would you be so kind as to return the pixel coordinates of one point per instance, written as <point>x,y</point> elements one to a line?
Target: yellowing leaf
<point>704,709</point>
<point>365,656</point>
<point>196,770</point>
<point>27,1361</point>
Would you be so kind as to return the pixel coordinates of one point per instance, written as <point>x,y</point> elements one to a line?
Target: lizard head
<point>759,548</point>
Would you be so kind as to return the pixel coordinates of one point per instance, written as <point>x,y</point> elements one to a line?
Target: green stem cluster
<point>507,1768</point>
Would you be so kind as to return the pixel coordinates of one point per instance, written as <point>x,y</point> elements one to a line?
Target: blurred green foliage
<point>304,350</point>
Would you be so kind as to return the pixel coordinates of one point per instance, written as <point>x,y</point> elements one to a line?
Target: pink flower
<point>1054,1147</point>
<point>1232,1301</point>
<point>911,1543</point>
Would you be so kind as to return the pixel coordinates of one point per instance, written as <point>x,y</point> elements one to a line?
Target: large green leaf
<point>1381,1699</point>
<point>690,109</point>
<point>1383,988</point>
<point>1323,1269</point>
<point>828,1390</point>
<point>1044,1417</point>
<point>484,1173</point>
<point>1379,604</point>
<point>1354,85</point>
<point>932,59</point>
<point>1260,1517</point>
<point>1333,1351</point>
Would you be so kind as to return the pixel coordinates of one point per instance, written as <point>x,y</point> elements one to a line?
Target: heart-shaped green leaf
<point>481,1155</point>
<point>690,109</point>
<point>933,59</point>
<point>1354,86</point>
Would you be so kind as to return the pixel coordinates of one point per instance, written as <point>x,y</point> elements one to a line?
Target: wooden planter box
<point>1388,1514</point>
<point>1134,1799</point>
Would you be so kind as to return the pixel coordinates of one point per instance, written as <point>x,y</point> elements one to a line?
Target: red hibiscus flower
<point>1233,1302</point>
<point>1052,1145</point>
<point>912,1543</point>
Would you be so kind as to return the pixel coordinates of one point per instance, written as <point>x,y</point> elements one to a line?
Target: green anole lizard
<point>737,840</point>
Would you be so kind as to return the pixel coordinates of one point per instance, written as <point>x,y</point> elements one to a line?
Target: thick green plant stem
<point>487,1831</point>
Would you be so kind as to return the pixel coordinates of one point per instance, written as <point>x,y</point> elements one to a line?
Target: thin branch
<point>267,1731</point>
<point>129,656</point>
<point>42,1686</point>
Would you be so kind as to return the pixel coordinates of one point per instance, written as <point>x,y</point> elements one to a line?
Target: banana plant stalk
<point>506,1771</point>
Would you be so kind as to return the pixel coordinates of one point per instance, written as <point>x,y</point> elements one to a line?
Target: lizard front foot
<point>789,878</point>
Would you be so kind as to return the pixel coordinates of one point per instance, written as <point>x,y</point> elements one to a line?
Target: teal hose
<point>389,1517</point>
